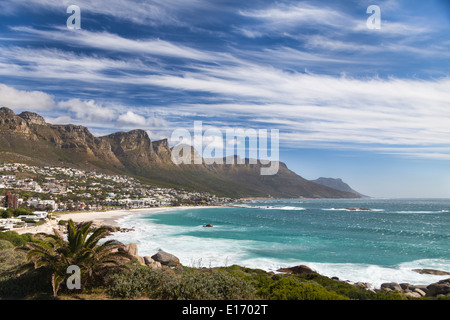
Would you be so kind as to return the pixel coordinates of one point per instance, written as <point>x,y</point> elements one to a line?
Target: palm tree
<point>81,248</point>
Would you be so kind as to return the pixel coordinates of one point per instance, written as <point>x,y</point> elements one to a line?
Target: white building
<point>9,223</point>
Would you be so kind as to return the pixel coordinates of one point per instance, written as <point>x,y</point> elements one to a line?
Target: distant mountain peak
<point>32,118</point>
<point>336,183</point>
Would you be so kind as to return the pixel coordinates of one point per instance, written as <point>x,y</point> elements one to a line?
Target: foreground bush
<point>16,239</point>
<point>207,285</point>
<point>136,282</point>
<point>191,284</point>
<point>292,289</point>
<point>32,285</point>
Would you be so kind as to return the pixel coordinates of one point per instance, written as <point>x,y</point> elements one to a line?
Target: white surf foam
<point>424,211</point>
<point>346,209</point>
<point>191,250</point>
<point>270,207</point>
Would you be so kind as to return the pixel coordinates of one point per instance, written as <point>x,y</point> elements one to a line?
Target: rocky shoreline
<point>437,289</point>
<point>434,290</point>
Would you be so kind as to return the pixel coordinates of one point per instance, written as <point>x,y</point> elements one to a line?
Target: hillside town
<point>28,194</point>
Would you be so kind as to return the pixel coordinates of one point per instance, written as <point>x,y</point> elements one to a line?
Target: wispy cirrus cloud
<point>285,17</point>
<point>135,11</point>
<point>106,41</point>
<point>258,74</point>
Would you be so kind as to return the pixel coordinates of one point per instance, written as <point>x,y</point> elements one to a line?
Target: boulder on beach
<point>152,263</point>
<point>301,269</point>
<point>130,248</point>
<point>364,285</point>
<point>441,287</point>
<point>392,286</point>
<point>420,291</point>
<point>166,259</point>
<point>140,260</point>
<point>414,295</point>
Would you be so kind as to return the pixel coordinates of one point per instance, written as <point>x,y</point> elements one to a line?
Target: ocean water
<point>376,246</point>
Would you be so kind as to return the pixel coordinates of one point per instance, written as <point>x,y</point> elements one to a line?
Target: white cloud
<point>23,100</point>
<point>131,118</point>
<point>87,110</point>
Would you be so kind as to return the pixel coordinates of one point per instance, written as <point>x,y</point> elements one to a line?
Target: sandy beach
<point>98,217</point>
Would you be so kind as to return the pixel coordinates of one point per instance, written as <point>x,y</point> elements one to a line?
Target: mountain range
<point>28,138</point>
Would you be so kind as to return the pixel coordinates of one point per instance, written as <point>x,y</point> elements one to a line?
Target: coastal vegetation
<point>34,267</point>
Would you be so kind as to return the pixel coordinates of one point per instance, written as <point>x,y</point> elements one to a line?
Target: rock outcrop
<point>432,271</point>
<point>301,269</point>
<point>416,291</point>
<point>152,263</point>
<point>166,259</point>
<point>439,288</point>
<point>132,250</point>
<point>33,118</point>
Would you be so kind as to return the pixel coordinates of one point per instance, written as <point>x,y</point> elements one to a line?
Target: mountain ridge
<point>29,137</point>
<point>338,184</point>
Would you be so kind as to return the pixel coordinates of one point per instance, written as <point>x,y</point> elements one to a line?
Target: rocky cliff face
<point>28,136</point>
<point>12,124</point>
<point>133,148</point>
<point>32,118</point>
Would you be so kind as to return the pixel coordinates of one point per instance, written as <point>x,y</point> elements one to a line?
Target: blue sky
<point>369,106</point>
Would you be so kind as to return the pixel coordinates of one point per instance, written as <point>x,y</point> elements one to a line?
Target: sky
<point>370,106</point>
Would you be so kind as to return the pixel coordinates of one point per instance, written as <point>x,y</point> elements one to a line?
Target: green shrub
<point>15,238</point>
<point>29,285</point>
<point>190,284</point>
<point>135,283</point>
<point>291,289</point>
<point>5,244</point>
<point>10,259</point>
<point>340,287</point>
<point>207,285</point>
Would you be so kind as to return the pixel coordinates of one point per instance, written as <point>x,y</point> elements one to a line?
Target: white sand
<point>105,217</point>
<point>98,217</point>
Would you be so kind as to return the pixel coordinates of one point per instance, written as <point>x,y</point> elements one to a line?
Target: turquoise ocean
<point>328,235</point>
